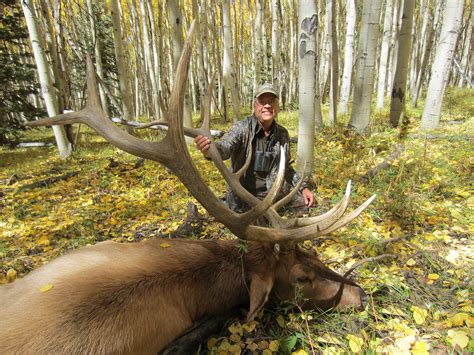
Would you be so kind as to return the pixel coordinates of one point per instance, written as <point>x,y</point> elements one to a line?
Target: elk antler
<point>172,152</point>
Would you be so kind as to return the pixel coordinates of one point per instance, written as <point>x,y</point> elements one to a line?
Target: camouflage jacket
<point>236,143</point>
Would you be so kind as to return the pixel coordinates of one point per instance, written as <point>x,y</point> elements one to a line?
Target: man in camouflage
<point>261,132</point>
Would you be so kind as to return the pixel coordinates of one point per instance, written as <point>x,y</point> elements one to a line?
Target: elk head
<point>294,268</point>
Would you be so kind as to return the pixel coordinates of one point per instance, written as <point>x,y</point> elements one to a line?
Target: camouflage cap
<point>266,88</point>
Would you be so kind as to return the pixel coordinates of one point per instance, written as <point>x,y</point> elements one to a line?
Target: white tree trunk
<point>47,88</point>
<point>98,56</point>
<point>351,15</point>
<point>384,54</point>
<point>334,88</point>
<point>392,64</point>
<point>276,29</point>
<point>121,58</point>
<point>442,63</point>
<point>307,20</point>
<point>365,70</point>
<point>258,42</point>
<point>229,60</point>
<point>397,103</point>
<point>150,66</point>
<point>176,23</point>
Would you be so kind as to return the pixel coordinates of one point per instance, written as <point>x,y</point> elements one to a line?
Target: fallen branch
<point>383,165</point>
<point>46,182</point>
<point>32,145</point>
<point>368,260</point>
<point>396,239</point>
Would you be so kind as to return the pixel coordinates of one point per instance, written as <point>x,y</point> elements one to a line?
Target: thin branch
<point>368,260</point>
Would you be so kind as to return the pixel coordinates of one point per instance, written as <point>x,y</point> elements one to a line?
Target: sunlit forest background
<point>377,92</point>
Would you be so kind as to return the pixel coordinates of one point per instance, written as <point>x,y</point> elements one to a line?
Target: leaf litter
<point>420,301</point>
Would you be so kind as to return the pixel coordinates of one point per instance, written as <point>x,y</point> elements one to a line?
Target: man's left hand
<point>308,197</point>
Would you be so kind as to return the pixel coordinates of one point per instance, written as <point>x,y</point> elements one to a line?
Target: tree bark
<point>229,59</point>
<point>307,20</point>
<point>365,71</point>
<point>384,54</point>
<point>351,15</point>
<point>176,23</point>
<point>334,88</point>
<point>397,104</point>
<point>442,63</point>
<point>120,56</point>
<point>47,88</point>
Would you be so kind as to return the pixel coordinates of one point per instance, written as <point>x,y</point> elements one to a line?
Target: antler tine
<point>261,208</point>
<point>285,200</point>
<point>329,217</point>
<point>206,107</point>
<point>299,234</point>
<point>246,165</point>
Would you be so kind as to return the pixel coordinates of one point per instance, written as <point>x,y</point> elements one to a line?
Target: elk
<point>137,298</point>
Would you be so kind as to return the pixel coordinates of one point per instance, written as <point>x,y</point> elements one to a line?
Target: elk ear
<point>260,288</point>
<point>301,274</point>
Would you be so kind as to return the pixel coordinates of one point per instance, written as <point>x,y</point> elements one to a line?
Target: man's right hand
<point>202,143</point>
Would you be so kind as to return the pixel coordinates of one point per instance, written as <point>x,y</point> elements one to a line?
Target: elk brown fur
<point>136,298</point>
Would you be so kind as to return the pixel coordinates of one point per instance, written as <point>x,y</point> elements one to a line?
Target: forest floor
<point>420,289</point>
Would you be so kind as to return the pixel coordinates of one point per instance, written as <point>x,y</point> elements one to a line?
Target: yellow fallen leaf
<point>411,262</point>
<point>235,349</point>
<point>419,314</point>
<point>281,321</point>
<point>43,240</point>
<point>211,343</point>
<point>224,346</point>
<point>329,339</point>
<point>46,288</point>
<point>235,338</point>
<point>332,351</point>
<point>404,344</point>
<point>11,275</point>
<point>252,347</point>
<point>458,320</point>
<point>250,326</point>
<point>274,345</point>
<point>236,328</point>
<point>433,276</point>
<point>458,337</point>
<point>299,352</point>
<point>263,344</point>
<point>165,245</point>
<point>355,342</point>
<point>419,348</point>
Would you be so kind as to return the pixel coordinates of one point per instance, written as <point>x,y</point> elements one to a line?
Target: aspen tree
<point>307,20</point>
<point>47,88</point>
<point>365,67</point>
<point>397,103</point>
<point>442,63</point>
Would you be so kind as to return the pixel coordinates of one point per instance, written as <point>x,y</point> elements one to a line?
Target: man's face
<point>266,108</point>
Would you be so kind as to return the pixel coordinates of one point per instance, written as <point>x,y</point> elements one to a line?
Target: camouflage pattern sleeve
<point>231,141</point>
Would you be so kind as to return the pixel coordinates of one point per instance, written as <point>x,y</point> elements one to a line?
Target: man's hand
<point>202,143</point>
<point>308,197</point>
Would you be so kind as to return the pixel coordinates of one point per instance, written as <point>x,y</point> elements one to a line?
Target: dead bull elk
<point>137,298</point>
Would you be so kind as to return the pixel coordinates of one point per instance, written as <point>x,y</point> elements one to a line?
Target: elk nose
<point>364,299</point>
